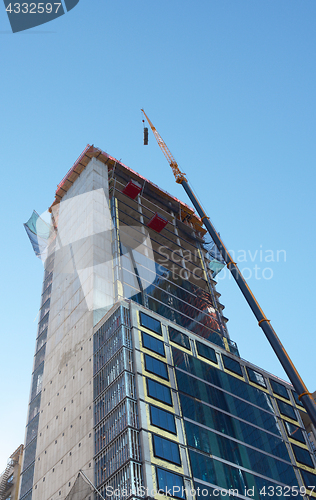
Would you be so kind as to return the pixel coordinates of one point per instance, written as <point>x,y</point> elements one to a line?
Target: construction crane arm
<point>263,322</point>
<point>179,176</point>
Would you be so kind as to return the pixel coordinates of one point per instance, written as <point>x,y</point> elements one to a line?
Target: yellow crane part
<point>179,176</point>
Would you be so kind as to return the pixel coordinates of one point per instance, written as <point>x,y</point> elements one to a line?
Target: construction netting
<point>82,490</point>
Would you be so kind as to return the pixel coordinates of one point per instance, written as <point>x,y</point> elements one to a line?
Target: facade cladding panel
<point>135,378</point>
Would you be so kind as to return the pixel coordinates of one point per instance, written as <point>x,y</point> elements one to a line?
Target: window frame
<point>263,384</point>
<point>148,380</point>
<point>280,403</point>
<point>198,343</point>
<point>157,340</point>
<point>294,447</point>
<point>151,407</point>
<point>171,329</point>
<point>168,454</point>
<point>224,357</point>
<point>160,488</point>
<point>275,384</point>
<point>142,314</point>
<point>303,441</point>
<point>159,363</point>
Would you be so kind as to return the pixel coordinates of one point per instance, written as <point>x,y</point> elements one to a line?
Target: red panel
<point>157,223</point>
<point>132,189</point>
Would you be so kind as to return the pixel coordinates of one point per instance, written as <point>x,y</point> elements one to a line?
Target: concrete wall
<point>82,284</point>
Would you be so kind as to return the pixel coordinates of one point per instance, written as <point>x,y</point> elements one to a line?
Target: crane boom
<point>285,360</point>
<point>180,176</point>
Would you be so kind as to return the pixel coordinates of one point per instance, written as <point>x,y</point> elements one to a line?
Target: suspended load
<point>145,136</point>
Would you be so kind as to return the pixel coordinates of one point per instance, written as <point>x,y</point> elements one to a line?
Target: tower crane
<point>303,394</point>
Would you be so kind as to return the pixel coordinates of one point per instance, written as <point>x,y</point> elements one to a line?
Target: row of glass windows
<point>227,449</point>
<point>209,353</point>
<point>233,366</point>
<point>226,402</point>
<point>175,336</point>
<point>232,477</point>
<point>233,427</point>
<point>160,369</point>
<point>221,379</point>
<point>235,406</point>
<point>275,469</point>
<point>199,322</point>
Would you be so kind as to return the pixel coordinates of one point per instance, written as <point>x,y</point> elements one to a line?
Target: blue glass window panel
<point>286,410</point>
<point>297,401</point>
<point>302,455</point>
<point>150,323</point>
<point>221,379</point>
<point>29,454</point>
<point>230,477</point>
<point>206,351</point>
<point>159,391</point>
<point>256,377</point>
<point>179,338</point>
<point>223,447</point>
<point>162,419</point>
<point>41,340</point>
<point>153,344</point>
<point>156,367</point>
<point>27,480</point>
<point>279,389</point>
<point>232,365</point>
<point>309,478</point>
<point>215,419</point>
<point>34,407</point>
<point>37,381</point>
<point>171,484</point>
<point>31,430</point>
<point>294,432</point>
<point>226,402</point>
<point>39,357</point>
<point>166,449</point>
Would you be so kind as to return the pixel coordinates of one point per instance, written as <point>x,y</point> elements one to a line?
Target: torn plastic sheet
<point>38,232</point>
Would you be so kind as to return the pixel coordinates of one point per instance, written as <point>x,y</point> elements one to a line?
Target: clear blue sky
<point>230,86</point>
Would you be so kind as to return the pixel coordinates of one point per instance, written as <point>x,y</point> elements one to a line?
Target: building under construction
<point>137,389</point>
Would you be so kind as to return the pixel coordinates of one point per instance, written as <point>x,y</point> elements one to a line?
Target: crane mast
<point>263,322</point>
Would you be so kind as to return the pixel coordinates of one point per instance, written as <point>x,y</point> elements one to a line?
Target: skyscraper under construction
<point>137,388</point>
